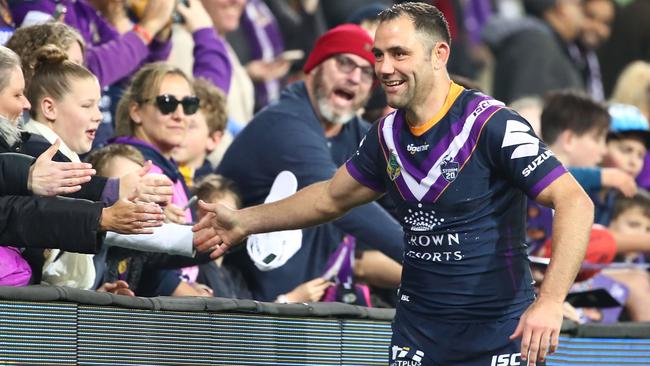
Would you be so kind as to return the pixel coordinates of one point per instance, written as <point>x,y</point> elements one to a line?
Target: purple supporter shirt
<point>211,58</point>
<point>109,55</point>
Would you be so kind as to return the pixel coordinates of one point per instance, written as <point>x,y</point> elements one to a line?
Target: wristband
<point>143,33</point>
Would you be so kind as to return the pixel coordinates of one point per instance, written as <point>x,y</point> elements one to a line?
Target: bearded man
<point>311,131</point>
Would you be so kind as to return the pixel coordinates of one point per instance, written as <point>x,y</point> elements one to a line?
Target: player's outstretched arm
<point>540,325</point>
<point>320,202</point>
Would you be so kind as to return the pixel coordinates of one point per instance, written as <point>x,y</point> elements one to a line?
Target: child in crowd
<point>228,281</point>
<point>204,132</point>
<point>142,270</point>
<point>627,143</point>
<point>575,127</point>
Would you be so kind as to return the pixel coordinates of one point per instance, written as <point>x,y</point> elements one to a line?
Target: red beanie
<point>346,38</point>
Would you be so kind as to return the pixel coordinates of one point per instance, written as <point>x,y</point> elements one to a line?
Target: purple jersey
<point>460,187</point>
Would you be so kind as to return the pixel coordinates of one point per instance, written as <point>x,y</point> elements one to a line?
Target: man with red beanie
<point>311,131</point>
<point>458,166</point>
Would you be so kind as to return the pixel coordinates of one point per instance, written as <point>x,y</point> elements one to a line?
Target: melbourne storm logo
<point>421,220</point>
<point>449,169</point>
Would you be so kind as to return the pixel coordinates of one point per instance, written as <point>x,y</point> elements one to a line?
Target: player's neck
<point>423,111</point>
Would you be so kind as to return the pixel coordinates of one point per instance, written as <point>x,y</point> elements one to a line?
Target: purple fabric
<point>356,174</point>
<point>344,278</point>
<point>546,181</point>
<point>476,13</point>
<point>455,129</point>
<point>616,289</point>
<point>130,140</point>
<point>399,181</point>
<point>111,192</point>
<point>109,55</point>
<point>113,61</point>
<point>211,58</point>
<point>464,153</point>
<point>272,45</point>
<point>643,179</point>
<point>14,270</point>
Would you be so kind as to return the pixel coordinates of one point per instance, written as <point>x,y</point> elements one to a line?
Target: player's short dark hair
<point>426,19</point>
<point>573,111</point>
<point>640,200</point>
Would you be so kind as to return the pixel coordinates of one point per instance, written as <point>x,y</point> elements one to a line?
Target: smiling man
<point>466,295</point>
<point>311,131</point>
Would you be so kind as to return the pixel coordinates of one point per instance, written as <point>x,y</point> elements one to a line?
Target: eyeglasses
<point>346,65</point>
<point>167,104</point>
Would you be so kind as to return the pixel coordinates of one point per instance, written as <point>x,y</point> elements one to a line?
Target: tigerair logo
<point>415,149</point>
<point>517,135</point>
<point>406,356</point>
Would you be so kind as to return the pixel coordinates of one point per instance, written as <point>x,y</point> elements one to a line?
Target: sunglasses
<point>168,103</point>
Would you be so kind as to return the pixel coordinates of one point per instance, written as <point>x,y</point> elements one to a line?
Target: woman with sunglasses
<point>152,117</point>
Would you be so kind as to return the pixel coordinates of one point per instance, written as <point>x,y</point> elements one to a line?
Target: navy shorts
<point>422,343</point>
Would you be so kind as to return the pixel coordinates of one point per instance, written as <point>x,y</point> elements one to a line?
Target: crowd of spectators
<point>117,115</point>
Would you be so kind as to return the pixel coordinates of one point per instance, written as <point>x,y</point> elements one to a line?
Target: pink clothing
<point>179,198</point>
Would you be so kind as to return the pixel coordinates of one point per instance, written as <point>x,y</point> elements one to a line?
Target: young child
<point>139,269</point>
<point>631,217</point>
<point>204,132</point>
<point>627,143</point>
<point>228,281</point>
<point>575,127</point>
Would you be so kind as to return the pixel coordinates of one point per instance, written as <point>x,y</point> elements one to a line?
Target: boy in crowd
<point>227,280</point>
<point>575,128</point>
<point>631,217</point>
<point>204,132</point>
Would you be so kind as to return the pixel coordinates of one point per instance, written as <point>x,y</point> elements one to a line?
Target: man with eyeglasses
<point>458,165</point>
<point>311,131</point>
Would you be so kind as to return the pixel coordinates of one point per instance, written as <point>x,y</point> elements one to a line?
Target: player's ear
<point>440,55</point>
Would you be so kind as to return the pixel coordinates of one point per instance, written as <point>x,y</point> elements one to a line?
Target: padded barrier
<point>42,325</point>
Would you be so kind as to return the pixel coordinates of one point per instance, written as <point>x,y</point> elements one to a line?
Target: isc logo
<point>507,359</point>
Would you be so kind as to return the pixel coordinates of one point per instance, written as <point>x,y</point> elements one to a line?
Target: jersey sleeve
<point>365,165</point>
<point>513,149</point>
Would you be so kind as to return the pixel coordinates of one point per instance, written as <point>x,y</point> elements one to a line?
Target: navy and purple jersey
<point>460,184</point>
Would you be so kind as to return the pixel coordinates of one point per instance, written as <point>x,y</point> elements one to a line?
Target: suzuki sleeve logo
<point>517,134</point>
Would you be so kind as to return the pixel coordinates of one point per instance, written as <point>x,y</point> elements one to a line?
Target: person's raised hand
<point>194,15</point>
<point>157,15</point>
<point>127,217</point>
<point>174,214</point>
<point>145,186</point>
<point>618,179</point>
<point>51,178</point>
<point>310,291</point>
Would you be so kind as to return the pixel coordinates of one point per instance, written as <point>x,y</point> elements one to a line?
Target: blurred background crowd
<point>116,116</point>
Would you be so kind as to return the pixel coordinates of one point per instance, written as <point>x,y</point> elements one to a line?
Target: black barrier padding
<point>637,330</point>
<point>192,304</point>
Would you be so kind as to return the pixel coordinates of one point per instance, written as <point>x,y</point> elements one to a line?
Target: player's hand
<point>310,291</point>
<point>49,178</point>
<point>539,329</point>
<point>618,179</point>
<point>218,230</point>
